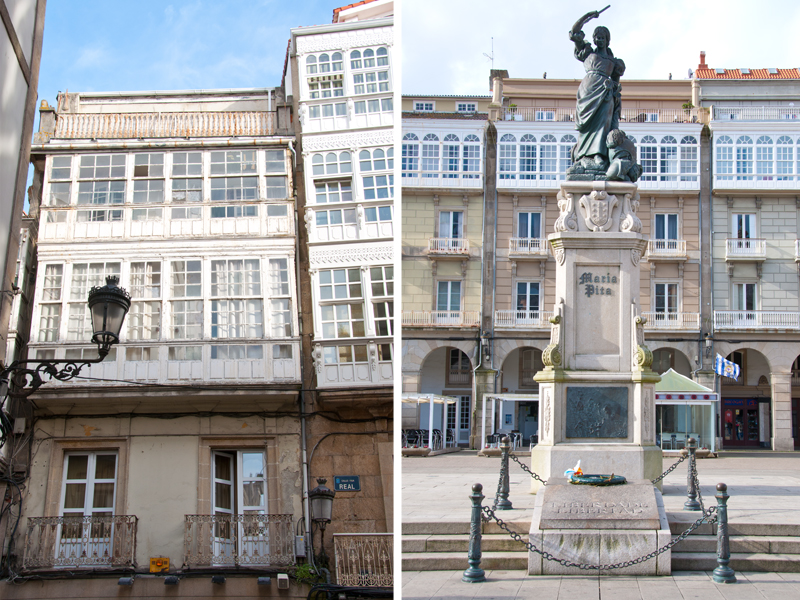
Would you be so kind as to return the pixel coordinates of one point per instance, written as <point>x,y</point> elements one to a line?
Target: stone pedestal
<point>599,525</point>
<point>596,392</point>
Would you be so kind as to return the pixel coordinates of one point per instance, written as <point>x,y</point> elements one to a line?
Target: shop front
<point>796,422</point>
<point>746,422</point>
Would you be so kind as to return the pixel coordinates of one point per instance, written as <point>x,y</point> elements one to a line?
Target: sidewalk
<point>764,489</point>
<point>509,585</point>
<point>764,486</point>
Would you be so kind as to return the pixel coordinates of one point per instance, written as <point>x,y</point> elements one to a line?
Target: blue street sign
<point>346,483</point>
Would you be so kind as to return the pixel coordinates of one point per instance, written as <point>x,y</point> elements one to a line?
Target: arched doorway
<point>746,417</point>
<point>519,409</point>
<point>447,371</point>
<point>666,358</point>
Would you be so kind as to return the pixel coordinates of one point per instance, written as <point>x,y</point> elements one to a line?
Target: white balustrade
<point>628,115</point>
<point>528,246</point>
<point>522,319</point>
<point>441,318</point>
<point>448,246</point>
<point>672,320</point>
<point>756,113</point>
<point>666,248</point>
<point>756,319</point>
<point>745,248</point>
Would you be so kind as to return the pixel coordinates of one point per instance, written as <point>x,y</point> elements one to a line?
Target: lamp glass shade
<point>109,305</point>
<point>321,498</point>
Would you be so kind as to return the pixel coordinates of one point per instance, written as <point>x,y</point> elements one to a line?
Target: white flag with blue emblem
<point>726,368</point>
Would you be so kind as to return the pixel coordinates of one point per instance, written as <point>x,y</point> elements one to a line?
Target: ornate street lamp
<point>321,498</point>
<point>109,305</point>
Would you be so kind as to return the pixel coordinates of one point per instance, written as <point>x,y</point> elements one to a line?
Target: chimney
<point>702,64</point>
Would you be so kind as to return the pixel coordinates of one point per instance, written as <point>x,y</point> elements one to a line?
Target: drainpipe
<point>303,436</point>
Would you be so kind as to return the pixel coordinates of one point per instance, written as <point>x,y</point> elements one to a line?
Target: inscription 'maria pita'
<point>597,412</point>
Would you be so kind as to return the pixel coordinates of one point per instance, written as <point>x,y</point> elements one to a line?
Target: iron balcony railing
<point>756,113</point>
<point>448,246</point>
<point>527,246</point>
<point>672,320</point>
<point>523,319</point>
<point>80,541</point>
<point>745,248</point>
<point>459,377</point>
<point>164,125</point>
<point>225,540</point>
<point>756,319</point>
<point>441,318</point>
<point>666,248</point>
<point>628,115</point>
<point>364,559</point>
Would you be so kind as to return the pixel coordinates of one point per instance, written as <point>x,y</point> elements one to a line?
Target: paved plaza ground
<point>764,488</point>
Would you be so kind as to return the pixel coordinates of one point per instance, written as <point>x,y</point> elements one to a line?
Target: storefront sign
<point>751,403</point>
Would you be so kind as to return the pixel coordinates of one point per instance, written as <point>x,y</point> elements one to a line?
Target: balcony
<point>666,250</point>
<point>238,540</point>
<point>756,320</point>
<point>671,321</point>
<point>756,113</point>
<point>522,319</point>
<point>441,318</point>
<point>364,559</point>
<point>629,115</point>
<point>80,541</point>
<point>414,179</point>
<point>333,370</point>
<point>535,248</point>
<point>745,249</point>
<point>448,247</point>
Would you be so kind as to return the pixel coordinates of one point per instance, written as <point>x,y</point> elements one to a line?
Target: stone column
<point>782,411</point>
<point>484,384</point>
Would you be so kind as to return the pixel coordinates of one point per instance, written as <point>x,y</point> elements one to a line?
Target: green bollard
<point>691,488</point>
<point>504,503</point>
<point>474,574</point>
<point>723,573</point>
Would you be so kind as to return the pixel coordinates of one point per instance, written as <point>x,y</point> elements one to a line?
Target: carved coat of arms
<point>597,210</point>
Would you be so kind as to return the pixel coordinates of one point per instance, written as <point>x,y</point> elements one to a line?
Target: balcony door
<point>527,303</point>
<point>448,303</point>
<point>241,529</point>
<point>666,302</point>
<point>87,508</point>
<point>745,300</point>
<point>744,226</point>
<point>451,224</point>
<point>667,232</point>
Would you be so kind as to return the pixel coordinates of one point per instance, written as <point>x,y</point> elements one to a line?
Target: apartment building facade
<point>183,445</point>
<point>343,81</point>
<point>442,164</point>
<point>754,131</point>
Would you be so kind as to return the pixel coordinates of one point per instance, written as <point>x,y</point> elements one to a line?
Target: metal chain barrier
<point>708,517</point>
<point>527,469</point>
<point>670,470</point>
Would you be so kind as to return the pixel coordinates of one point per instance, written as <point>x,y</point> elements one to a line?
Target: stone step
<point>455,561</point>
<point>678,523</point>
<point>751,544</point>
<point>701,561</point>
<point>460,528</point>
<point>497,542</point>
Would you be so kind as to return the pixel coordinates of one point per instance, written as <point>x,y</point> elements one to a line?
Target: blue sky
<point>122,45</point>
<point>444,41</point>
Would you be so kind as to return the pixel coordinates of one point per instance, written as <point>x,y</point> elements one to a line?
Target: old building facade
<point>343,84</point>
<point>184,444</point>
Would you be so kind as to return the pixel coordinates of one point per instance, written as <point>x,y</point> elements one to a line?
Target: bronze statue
<point>599,101</point>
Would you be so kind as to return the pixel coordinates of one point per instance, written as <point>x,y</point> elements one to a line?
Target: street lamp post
<point>321,498</point>
<point>109,305</point>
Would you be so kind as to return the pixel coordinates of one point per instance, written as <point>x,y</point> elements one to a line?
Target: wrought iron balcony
<point>446,246</point>
<point>80,541</point>
<point>441,318</point>
<point>364,559</point>
<point>756,319</point>
<point>240,540</point>
<point>527,247</point>
<point>522,319</point>
<point>666,249</point>
<point>745,249</point>
<point>672,320</point>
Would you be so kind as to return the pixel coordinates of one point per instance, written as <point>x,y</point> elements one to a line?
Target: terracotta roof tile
<point>709,73</point>
<point>336,11</point>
